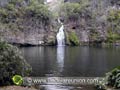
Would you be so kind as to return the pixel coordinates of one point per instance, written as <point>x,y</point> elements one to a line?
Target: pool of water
<point>71,61</point>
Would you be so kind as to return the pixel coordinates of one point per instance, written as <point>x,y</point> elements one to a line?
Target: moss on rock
<point>50,40</point>
<point>72,39</point>
<point>112,37</point>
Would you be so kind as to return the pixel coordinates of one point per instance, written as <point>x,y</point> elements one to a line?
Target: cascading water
<point>60,35</point>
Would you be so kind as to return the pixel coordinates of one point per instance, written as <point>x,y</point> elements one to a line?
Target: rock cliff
<point>30,22</point>
<point>27,24</point>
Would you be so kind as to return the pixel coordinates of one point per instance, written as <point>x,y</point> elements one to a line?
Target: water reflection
<point>71,61</point>
<point>60,57</point>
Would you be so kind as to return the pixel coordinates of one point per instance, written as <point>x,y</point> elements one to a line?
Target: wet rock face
<point>27,26</point>
<point>82,35</point>
<point>4,2</point>
<point>71,0</point>
<point>89,23</point>
<point>31,35</point>
<point>85,33</point>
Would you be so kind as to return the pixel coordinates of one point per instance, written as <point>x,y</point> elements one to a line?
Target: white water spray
<point>60,35</point>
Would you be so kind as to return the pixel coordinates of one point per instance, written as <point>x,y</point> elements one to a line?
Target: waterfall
<point>60,35</point>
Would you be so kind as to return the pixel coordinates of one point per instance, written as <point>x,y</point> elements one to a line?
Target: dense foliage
<point>100,18</point>
<point>73,39</point>
<point>113,78</point>
<point>114,19</point>
<point>11,63</point>
<point>113,25</point>
<point>14,14</point>
<point>74,10</point>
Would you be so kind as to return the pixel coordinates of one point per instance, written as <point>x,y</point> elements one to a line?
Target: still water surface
<point>71,61</point>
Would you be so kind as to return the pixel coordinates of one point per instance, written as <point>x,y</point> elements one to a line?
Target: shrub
<point>114,25</point>
<point>73,38</point>
<point>112,37</point>
<point>113,78</point>
<point>39,11</point>
<point>114,19</point>
<point>94,35</point>
<point>71,10</point>
<point>16,1</point>
<point>15,13</point>
<point>11,63</point>
<point>74,10</point>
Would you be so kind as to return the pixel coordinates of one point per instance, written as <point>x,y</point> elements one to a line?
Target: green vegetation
<point>113,37</point>
<point>114,20</point>
<point>51,40</point>
<point>94,35</point>
<point>87,14</point>
<point>40,11</point>
<point>11,63</point>
<point>73,39</point>
<point>114,26</point>
<point>16,13</point>
<point>71,10</point>
<point>74,10</point>
<point>21,15</point>
<point>111,80</point>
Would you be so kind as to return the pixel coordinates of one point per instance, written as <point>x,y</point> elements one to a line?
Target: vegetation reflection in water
<point>71,61</point>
